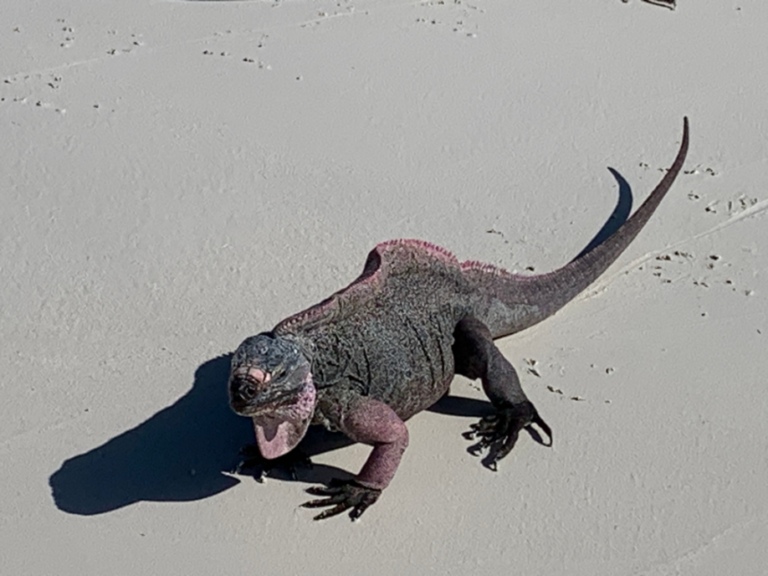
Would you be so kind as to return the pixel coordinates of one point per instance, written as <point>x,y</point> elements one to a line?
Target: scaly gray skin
<point>386,347</point>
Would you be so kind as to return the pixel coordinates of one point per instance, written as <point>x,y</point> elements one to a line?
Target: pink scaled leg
<point>374,423</point>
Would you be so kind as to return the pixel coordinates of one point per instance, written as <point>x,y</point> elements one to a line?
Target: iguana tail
<point>509,303</point>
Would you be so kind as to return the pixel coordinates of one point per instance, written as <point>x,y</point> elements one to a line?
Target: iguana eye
<point>247,390</point>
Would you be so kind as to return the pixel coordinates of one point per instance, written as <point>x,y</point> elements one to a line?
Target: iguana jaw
<point>280,428</point>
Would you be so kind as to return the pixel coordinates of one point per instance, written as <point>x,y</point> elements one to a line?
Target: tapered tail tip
<point>682,153</point>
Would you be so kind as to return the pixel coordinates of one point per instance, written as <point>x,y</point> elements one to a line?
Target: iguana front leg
<point>370,422</point>
<point>476,356</point>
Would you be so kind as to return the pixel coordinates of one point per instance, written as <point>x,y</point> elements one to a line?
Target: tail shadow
<point>618,216</point>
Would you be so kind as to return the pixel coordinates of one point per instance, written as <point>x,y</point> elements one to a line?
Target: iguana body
<point>387,347</point>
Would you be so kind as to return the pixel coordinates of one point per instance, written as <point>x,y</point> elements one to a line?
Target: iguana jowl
<point>387,346</point>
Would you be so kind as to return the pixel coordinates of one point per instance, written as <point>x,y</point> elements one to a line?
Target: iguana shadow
<point>186,451</point>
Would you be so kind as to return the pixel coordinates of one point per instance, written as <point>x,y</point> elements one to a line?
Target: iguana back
<point>389,334</point>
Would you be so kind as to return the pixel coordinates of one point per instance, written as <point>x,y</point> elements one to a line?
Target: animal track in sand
<point>241,58</point>
<point>38,88</point>
<point>555,370</point>
<point>453,14</point>
<point>340,9</point>
<point>33,89</point>
<point>69,33</point>
<point>129,45</point>
<point>709,271</point>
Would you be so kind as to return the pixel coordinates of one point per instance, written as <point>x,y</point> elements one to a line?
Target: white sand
<point>179,175</point>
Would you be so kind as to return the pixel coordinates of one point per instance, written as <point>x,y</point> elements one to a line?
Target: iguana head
<point>271,383</point>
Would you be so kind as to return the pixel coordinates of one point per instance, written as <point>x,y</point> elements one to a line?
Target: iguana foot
<point>498,432</point>
<point>342,495</point>
<point>254,464</point>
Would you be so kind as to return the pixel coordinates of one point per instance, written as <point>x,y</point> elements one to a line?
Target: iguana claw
<point>342,495</point>
<point>254,464</point>
<point>498,432</point>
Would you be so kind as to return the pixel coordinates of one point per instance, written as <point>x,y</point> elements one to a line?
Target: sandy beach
<point>179,175</point>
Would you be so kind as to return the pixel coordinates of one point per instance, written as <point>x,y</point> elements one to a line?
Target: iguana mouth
<point>279,428</point>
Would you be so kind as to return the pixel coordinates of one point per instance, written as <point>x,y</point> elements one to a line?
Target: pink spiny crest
<point>369,279</point>
<point>431,249</point>
<point>484,267</point>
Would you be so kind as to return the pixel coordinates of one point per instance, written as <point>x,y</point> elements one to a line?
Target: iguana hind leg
<point>476,356</point>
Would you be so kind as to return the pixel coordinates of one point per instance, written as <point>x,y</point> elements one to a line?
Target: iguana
<point>387,346</point>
